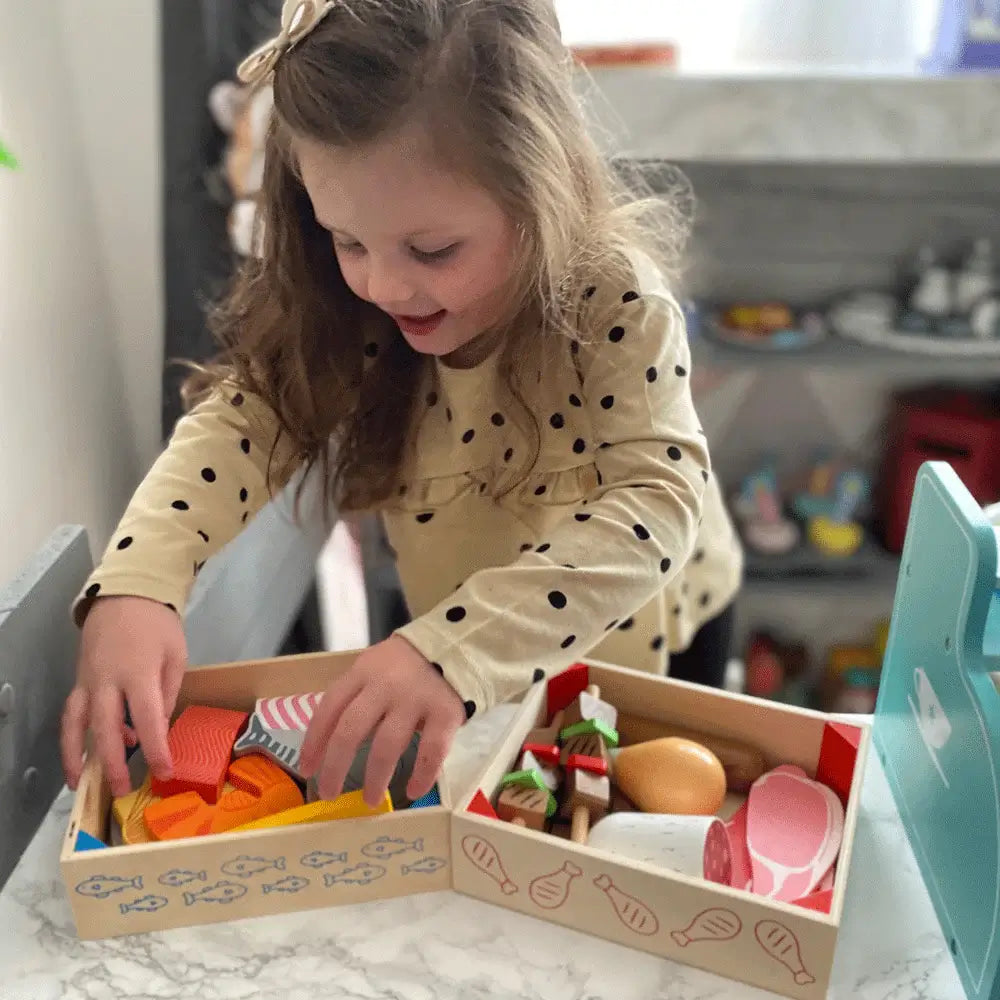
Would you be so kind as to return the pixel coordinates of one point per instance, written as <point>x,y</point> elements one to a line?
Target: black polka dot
<point>171,606</point>
<point>455,614</point>
<point>627,624</point>
<point>371,350</point>
<point>664,564</point>
<point>125,542</point>
<point>432,398</point>
<point>539,490</point>
<point>402,490</point>
<point>583,517</point>
<point>568,566</point>
<point>574,347</point>
<point>181,505</point>
<point>641,532</point>
<point>607,402</point>
<point>238,399</point>
<point>557,599</point>
<point>567,642</point>
<point>526,546</point>
<point>93,590</point>
<point>557,420</point>
<point>705,599</point>
<point>600,478</point>
<point>425,517</point>
<point>677,609</point>
<point>468,436</point>
<point>470,709</point>
<point>497,420</point>
<point>438,668</point>
<point>630,296</point>
<point>538,675</point>
<point>651,374</point>
<point>208,475</point>
<point>544,547</point>
<point>482,487</point>
<point>616,334</point>
<point>245,445</point>
<point>698,556</point>
<point>447,413</point>
<point>704,475</point>
<point>657,644</point>
<point>611,625</point>
<point>198,567</point>
<point>680,371</point>
<point>508,454</point>
<point>202,535</point>
<point>574,400</point>
<point>589,293</point>
<point>243,494</point>
<point>674,452</point>
<point>246,514</point>
<point>579,445</point>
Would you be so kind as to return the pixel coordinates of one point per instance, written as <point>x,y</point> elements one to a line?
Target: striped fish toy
<point>277,729</point>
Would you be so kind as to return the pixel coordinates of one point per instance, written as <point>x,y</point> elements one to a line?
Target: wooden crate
<point>649,908</point>
<point>128,890</point>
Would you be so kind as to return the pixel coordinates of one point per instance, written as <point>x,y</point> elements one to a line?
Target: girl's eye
<point>432,256</point>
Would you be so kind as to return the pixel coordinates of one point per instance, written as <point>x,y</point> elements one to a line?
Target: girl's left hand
<point>389,693</point>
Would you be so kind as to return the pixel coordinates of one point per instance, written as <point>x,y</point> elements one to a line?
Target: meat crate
<point>778,946</point>
<point>199,880</point>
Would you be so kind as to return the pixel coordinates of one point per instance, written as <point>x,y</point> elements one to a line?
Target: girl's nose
<point>388,286</point>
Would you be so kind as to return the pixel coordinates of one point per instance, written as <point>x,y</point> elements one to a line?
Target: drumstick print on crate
<point>299,858</point>
<point>676,884</point>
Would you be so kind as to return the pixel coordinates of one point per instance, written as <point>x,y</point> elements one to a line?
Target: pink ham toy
<point>794,829</point>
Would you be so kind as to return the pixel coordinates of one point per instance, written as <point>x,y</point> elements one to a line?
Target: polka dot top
<point>577,516</point>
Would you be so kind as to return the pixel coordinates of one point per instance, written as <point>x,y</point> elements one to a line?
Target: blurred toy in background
<point>851,679</point>
<point>943,307</point>
<point>758,510</point>
<point>777,669</point>
<point>243,114</point>
<point>7,158</point>
<point>767,326</point>
<point>835,532</point>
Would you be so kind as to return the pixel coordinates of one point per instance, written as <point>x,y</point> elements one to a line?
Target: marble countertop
<point>443,946</point>
<point>790,118</point>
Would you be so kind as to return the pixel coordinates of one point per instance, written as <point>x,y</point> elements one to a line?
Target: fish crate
<point>630,896</point>
<point>137,888</point>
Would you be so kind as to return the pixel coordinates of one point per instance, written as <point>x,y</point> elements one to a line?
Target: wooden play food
<point>742,763</point>
<point>692,845</point>
<point>670,775</point>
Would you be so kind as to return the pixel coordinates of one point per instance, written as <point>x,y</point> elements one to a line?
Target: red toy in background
<point>956,426</point>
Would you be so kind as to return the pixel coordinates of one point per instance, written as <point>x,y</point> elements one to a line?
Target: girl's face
<point>428,248</point>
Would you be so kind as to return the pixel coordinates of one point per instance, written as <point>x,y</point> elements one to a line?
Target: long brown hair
<point>492,84</point>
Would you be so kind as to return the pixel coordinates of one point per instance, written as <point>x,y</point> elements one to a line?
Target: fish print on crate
<point>245,866</point>
<point>102,886</point>
<point>320,859</point>
<point>387,847</point>
<point>222,892</point>
<point>290,883</point>
<point>145,904</point>
<point>177,878</point>
<point>277,728</point>
<point>425,866</point>
<point>357,875</point>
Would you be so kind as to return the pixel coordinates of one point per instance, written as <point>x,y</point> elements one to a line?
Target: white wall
<point>81,309</point>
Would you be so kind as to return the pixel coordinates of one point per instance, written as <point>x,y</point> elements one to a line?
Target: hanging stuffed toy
<point>243,113</point>
<point>7,157</point>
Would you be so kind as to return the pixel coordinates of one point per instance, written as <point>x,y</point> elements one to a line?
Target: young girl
<point>454,317</point>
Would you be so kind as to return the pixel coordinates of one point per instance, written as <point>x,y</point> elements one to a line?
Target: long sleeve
<point>627,539</point>
<point>205,486</point>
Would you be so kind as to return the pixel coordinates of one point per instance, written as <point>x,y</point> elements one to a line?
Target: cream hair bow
<point>298,18</point>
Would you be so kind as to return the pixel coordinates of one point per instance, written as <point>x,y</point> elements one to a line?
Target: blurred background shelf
<point>806,567</point>
<point>836,352</point>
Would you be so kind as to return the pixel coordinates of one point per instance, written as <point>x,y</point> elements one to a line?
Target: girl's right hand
<point>131,649</point>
